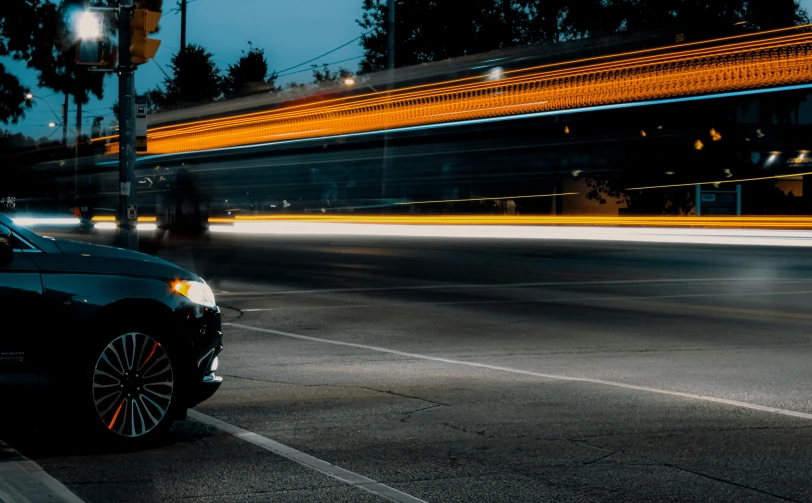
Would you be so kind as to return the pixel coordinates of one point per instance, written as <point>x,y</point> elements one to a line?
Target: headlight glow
<point>196,291</point>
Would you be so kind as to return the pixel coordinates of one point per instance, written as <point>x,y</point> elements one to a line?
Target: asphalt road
<point>460,370</point>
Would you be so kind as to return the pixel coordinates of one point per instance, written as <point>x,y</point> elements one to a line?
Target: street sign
<point>718,202</point>
<point>140,123</point>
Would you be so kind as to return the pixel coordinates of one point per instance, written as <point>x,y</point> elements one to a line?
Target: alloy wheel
<point>133,385</point>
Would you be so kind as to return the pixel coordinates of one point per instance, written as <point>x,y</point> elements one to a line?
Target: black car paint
<point>64,292</point>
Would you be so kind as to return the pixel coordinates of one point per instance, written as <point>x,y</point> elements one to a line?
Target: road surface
<point>372,369</point>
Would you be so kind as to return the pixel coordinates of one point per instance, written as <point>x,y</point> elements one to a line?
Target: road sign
<point>718,202</point>
<point>140,123</point>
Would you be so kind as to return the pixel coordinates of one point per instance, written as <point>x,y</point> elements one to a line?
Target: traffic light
<point>144,23</point>
<point>98,53</point>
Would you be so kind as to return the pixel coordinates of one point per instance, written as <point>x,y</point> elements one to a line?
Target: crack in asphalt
<point>408,415</point>
<point>388,392</point>
<point>235,309</point>
<point>683,430</point>
<point>211,496</point>
<point>673,466</point>
<point>481,433</point>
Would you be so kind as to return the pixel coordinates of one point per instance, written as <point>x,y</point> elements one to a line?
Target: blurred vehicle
<point>123,342</point>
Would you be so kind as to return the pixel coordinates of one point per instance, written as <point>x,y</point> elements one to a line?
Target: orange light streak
<point>108,218</point>
<point>743,65</point>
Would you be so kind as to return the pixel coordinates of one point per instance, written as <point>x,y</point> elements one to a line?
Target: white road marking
<point>24,481</point>
<point>535,301</point>
<point>307,460</point>
<point>693,396</point>
<point>476,286</point>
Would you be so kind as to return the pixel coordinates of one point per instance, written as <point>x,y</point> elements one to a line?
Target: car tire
<point>137,387</point>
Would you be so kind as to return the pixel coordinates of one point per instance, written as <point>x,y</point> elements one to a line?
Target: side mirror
<point>6,248</point>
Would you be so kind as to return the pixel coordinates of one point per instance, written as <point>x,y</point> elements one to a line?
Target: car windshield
<point>405,250</point>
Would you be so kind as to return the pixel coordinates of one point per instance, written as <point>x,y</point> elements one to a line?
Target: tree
<point>324,74</point>
<point>250,73</point>
<point>18,29</point>
<point>195,78</point>
<point>431,30</point>
<point>428,30</point>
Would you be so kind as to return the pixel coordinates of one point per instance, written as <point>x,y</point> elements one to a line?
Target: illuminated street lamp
<point>52,124</point>
<point>29,96</point>
<point>349,81</point>
<point>88,26</point>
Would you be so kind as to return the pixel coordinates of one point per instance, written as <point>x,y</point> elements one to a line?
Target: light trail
<point>741,180</point>
<point>780,61</point>
<point>503,118</point>
<point>486,199</point>
<point>732,237</point>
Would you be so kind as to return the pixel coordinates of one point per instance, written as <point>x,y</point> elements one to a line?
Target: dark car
<point>121,341</point>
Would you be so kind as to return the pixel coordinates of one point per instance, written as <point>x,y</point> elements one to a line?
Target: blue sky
<point>290,32</point>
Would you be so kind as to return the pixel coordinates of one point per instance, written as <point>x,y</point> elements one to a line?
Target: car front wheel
<point>134,388</point>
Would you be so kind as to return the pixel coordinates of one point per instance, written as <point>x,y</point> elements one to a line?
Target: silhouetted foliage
<point>249,74</point>
<point>195,79</point>
<point>324,74</point>
<point>430,30</point>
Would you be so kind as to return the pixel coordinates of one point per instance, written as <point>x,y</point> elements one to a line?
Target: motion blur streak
<point>108,218</point>
<point>111,226</point>
<point>774,177</point>
<point>720,222</point>
<point>758,64</point>
<point>32,221</point>
<point>486,199</point>
<point>562,233</point>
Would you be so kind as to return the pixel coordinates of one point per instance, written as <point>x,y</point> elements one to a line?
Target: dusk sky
<point>290,33</point>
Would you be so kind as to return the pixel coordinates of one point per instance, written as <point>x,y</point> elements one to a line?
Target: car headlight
<point>196,291</point>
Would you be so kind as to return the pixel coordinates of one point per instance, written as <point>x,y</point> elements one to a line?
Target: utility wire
<point>325,54</point>
<point>326,64</point>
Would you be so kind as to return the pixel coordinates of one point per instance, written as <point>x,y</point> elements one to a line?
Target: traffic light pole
<point>127,214</point>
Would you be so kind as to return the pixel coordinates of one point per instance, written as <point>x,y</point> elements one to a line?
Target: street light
<point>88,26</point>
<point>52,124</point>
<point>29,96</point>
<point>349,81</point>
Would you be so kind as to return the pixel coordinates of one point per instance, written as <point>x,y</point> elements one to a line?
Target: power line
<point>326,64</point>
<point>326,53</point>
<point>162,70</point>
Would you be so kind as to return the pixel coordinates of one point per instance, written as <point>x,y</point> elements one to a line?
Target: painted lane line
<point>573,300</point>
<point>24,481</point>
<point>589,380</point>
<point>479,286</point>
<point>307,460</point>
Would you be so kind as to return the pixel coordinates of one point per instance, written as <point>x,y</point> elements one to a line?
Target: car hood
<point>78,257</point>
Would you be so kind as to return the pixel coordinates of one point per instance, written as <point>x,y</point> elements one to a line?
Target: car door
<point>21,301</point>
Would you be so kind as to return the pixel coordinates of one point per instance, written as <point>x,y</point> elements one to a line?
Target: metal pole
<point>76,153</point>
<point>65,121</point>
<point>182,25</point>
<point>390,8</point>
<point>390,65</point>
<point>127,212</point>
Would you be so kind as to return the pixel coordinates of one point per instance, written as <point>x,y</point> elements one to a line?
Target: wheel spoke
<point>118,358</point>
<point>152,418</point>
<point>104,412</point>
<point>165,397</point>
<point>105,374</point>
<point>148,374</point>
<point>106,359</point>
<point>161,409</point>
